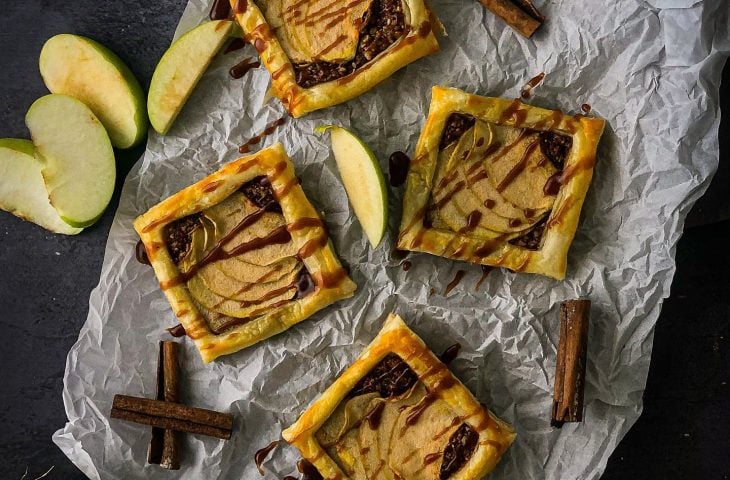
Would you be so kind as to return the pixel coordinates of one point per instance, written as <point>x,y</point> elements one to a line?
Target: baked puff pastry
<point>399,413</point>
<point>498,182</point>
<point>324,52</point>
<point>242,255</point>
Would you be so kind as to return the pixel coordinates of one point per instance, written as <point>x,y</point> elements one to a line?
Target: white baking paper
<point>650,68</point>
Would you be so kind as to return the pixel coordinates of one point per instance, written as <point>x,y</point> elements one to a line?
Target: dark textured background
<point>45,279</point>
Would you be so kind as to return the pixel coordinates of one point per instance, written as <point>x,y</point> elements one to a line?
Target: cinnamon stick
<point>172,416</point>
<point>521,15</point>
<point>570,370</point>
<point>164,449</point>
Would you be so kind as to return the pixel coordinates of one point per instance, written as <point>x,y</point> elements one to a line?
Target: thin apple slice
<point>22,191</point>
<point>84,69</point>
<point>363,180</point>
<point>76,155</point>
<point>180,70</point>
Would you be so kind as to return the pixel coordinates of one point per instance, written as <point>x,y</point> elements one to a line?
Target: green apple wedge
<point>363,180</point>
<point>22,189</point>
<point>84,69</point>
<point>180,70</point>
<point>76,155</point>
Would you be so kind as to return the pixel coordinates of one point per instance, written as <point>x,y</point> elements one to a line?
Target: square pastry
<point>324,52</point>
<point>498,182</point>
<point>398,412</point>
<point>242,255</point>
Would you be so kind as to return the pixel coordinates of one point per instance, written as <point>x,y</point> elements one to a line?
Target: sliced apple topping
<point>490,182</point>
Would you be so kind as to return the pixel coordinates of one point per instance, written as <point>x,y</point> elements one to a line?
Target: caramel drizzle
<point>270,128</point>
<point>276,236</point>
<point>519,167</point>
<point>339,14</point>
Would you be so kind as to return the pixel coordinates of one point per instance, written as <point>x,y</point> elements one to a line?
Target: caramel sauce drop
<point>260,456</point>
<point>526,91</point>
<point>398,164</point>
<point>450,353</point>
<point>485,271</point>
<point>243,67</point>
<point>141,254</point>
<point>457,278</point>
<point>220,10</point>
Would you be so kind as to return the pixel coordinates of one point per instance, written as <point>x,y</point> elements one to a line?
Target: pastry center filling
<point>329,39</point>
<point>237,258</point>
<point>391,426</point>
<point>496,182</point>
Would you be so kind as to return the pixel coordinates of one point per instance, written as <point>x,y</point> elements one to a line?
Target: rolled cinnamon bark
<point>174,416</point>
<point>570,370</point>
<point>521,15</point>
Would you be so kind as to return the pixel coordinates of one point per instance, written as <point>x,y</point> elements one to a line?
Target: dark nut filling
<point>532,239</point>
<point>259,191</point>
<point>391,377</point>
<point>456,125</point>
<point>383,25</point>
<point>178,236</point>
<point>459,450</point>
<point>555,147</point>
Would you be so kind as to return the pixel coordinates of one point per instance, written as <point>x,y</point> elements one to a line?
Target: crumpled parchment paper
<point>651,68</point>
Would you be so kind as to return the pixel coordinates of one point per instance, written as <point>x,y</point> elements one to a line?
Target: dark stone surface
<point>682,433</point>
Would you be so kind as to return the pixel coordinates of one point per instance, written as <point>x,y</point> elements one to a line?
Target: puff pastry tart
<point>399,413</point>
<point>242,255</point>
<point>324,52</point>
<point>498,182</point>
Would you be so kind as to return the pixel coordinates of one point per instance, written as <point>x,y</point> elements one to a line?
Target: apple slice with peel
<point>363,180</point>
<point>22,190</point>
<point>76,155</point>
<point>180,70</point>
<point>84,69</point>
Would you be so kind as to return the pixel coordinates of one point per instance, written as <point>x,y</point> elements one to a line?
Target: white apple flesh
<point>180,70</point>
<point>363,179</point>
<point>22,189</point>
<point>76,156</point>
<point>84,69</point>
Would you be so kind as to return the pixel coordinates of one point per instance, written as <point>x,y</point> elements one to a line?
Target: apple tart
<point>498,182</point>
<point>324,52</point>
<point>242,255</point>
<point>398,413</point>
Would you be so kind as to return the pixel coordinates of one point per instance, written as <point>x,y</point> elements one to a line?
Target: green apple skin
<point>82,68</point>
<point>23,190</point>
<point>77,157</point>
<point>363,179</point>
<point>180,70</point>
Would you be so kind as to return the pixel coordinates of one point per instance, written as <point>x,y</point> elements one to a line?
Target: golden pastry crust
<point>332,282</point>
<point>495,435</point>
<point>419,42</point>
<point>551,258</point>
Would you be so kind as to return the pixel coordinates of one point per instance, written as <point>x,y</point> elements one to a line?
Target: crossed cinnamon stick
<point>167,416</point>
